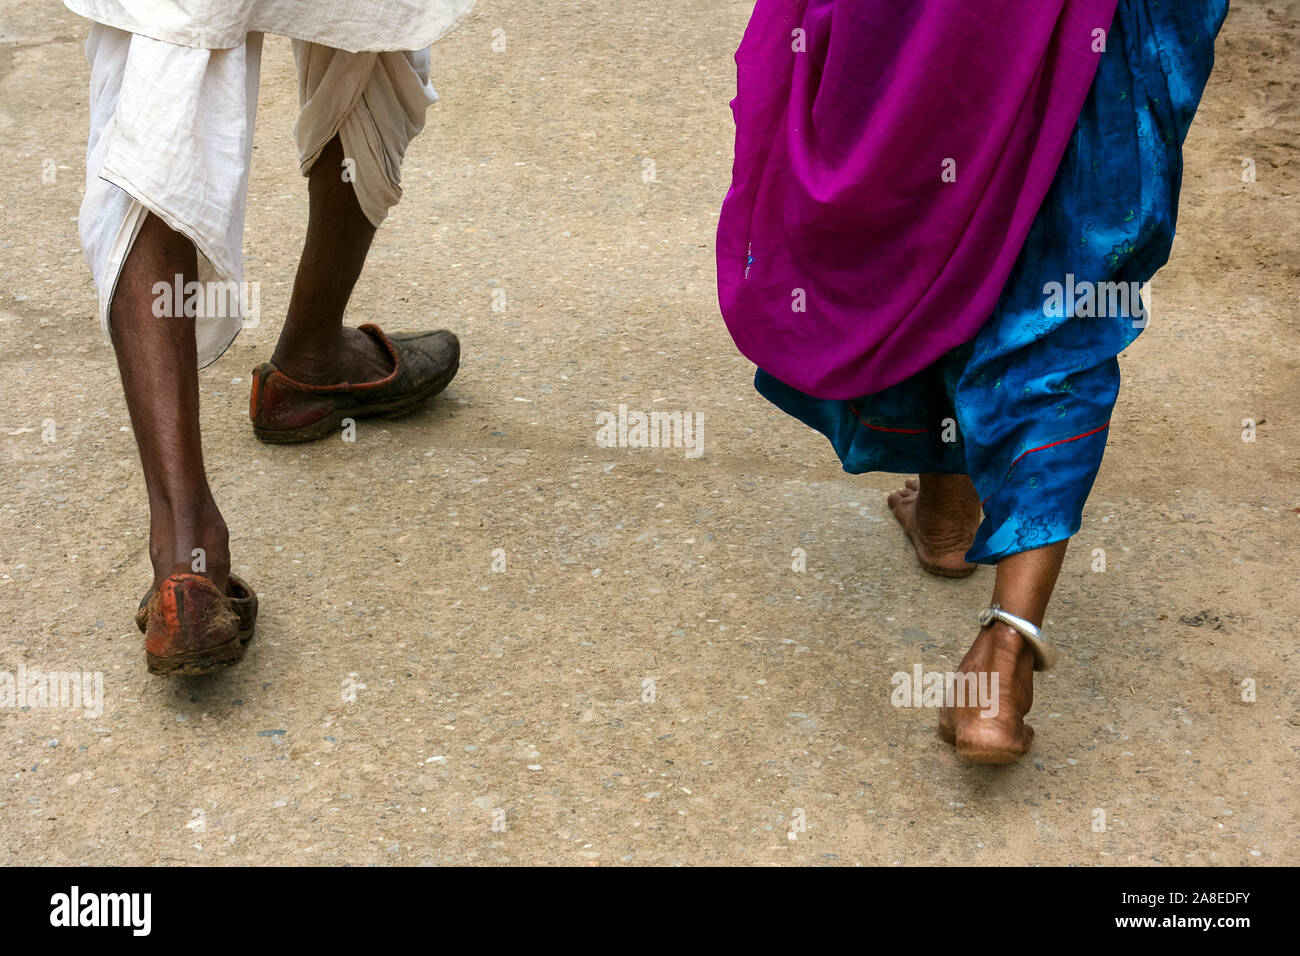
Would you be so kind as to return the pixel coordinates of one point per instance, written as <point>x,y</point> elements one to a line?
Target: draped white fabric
<point>352,25</point>
<point>171,132</point>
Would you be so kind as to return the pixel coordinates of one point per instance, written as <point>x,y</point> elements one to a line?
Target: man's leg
<point>314,345</point>
<point>159,367</point>
<point>362,107</point>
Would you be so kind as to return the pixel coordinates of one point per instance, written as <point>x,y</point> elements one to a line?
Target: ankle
<point>312,360</point>
<point>948,525</point>
<point>947,498</point>
<point>353,356</point>
<point>1005,641</point>
<point>193,539</point>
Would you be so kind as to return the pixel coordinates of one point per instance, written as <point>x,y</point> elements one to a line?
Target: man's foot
<point>190,537</point>
<point>286,409</point>
<point>355,358</point>
<point>196,617</point>
<point>993,730</point>
<point>191,627</point>
<point>940,514</point>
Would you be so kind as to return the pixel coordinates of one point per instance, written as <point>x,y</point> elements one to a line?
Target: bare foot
<point>940,514</point>
<point>994,730</point>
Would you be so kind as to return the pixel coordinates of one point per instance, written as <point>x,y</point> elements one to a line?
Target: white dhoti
<point>171,133</point>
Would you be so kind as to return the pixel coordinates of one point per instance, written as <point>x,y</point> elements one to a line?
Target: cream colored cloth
<point>353,25</point>
<point>171,132</point>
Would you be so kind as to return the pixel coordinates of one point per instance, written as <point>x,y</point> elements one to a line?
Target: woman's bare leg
<point>941,514</point>
<point>1023,587</point>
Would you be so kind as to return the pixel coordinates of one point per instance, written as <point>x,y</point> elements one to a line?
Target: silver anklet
<point>1044,647</point>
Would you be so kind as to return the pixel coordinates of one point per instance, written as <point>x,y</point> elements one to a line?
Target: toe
<point>903,496</point>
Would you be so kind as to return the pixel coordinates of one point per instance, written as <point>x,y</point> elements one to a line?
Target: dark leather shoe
<point>243,601</point>
<point>192,628</point>
<point>284,410</point>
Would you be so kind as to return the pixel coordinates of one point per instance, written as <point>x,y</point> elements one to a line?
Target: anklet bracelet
<point>1044,647</point>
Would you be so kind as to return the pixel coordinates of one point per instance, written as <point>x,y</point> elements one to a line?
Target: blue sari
<point>1024,408</point>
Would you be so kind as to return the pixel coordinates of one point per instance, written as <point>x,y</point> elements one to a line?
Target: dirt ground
<point>648,680</point>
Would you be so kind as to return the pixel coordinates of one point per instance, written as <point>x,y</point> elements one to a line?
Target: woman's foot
<point>940,515</point>
<point>993,730</point>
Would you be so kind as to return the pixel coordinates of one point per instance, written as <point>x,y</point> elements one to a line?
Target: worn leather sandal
<point>191,628</point>
<point>285,410</point>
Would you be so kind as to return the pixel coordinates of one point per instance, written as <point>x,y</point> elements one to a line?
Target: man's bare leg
<point>159,367</point>
<point>314,345</point>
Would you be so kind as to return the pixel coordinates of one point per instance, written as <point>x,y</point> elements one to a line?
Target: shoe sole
<point>198,663</point>
<point>332,422</point>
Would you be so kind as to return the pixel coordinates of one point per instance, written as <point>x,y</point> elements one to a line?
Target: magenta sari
<point>890,158</point>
